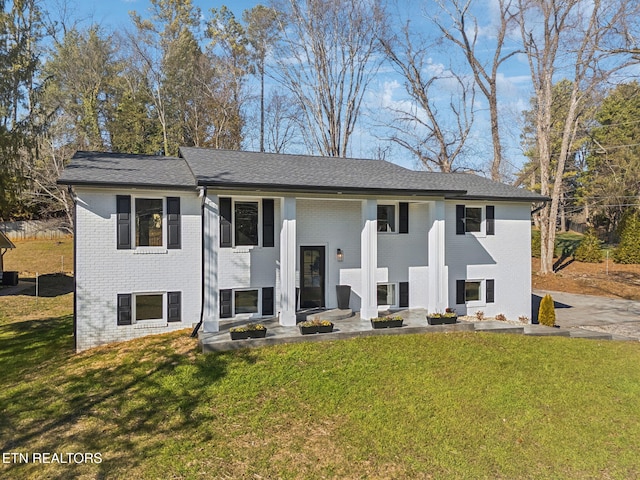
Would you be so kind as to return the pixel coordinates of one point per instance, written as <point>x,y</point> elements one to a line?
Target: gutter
<point>74,199</point>
<point>203,197</point>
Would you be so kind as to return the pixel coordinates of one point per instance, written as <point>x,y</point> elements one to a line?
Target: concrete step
<point>495,326</point>
<point>544,331</point>
<point>589,334</point>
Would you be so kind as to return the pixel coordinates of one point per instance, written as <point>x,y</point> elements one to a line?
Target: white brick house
<point>164,243</point>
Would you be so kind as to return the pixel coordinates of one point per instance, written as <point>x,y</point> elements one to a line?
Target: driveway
<point>619,317</point>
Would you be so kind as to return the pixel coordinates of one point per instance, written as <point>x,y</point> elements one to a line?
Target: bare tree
<point>423,128</point>
<point>573,39</point>
<point>463,31</point>
<point>281,122</point>
<point>327,58</point>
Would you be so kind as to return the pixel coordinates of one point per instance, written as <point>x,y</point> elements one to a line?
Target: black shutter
<point>123,222</point>
<point>124,309</point>
<point>268,230</point>
<point>173,222</point>
<point>490,217</point>
<point>460,292</point>
<point>404,294</point>
<point>460,220</point>
<point>267,301</point>
<point>404,218</point>
<point>174,306</point>
<point>225,222</point>
<point>225,303</point>
<point>490,286</point>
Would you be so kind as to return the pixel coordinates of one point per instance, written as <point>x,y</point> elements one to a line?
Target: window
<point>472,291</point>
<point>148,222</point>
<point>475,291</point>
<point>386,294</point>
<point>246,301</point>
<point>148,307</point>
<point>473,219</point>
<point>479,220</point>
<point>149,215</point>
<point>246,223</point>
<point>386,218</point>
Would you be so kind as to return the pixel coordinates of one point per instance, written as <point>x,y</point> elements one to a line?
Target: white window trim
<point>483,220</point>
<point>395,296</point>
<point>483,293</point>
<point>154,322</point>
<point>146,249</point>
<point>396,213</point>
<point>246,316</point>
<point>257,200</point>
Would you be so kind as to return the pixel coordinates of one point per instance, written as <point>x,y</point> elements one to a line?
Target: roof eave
<point>327,189</point>
<point>155,186</point>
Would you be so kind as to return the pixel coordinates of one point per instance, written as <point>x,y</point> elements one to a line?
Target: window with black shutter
<point>490,287</point>
<point>268,223</point>
<point>490,219</point>
<point>124,309</point>
<point>174,306</point>
<point>226,303</point>
<point>460,292</point>
<point>404,218</point>
<point>403,301</point>
<point>123,222</point>
<point>225,222</point>
<point>173,222</point>
<point>460,209</point>
<point>267,301</point>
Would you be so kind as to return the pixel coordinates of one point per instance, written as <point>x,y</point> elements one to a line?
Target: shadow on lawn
<point>124,401</point>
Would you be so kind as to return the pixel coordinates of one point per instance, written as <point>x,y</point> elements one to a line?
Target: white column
<point>438,277</point>
<point>211,234</point>
<point>288,262</point>
<point>369,260</point>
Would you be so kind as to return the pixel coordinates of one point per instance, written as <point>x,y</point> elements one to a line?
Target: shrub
<point>501,317</point>
<point>628,250</point>
<point>535,243</point>
<point>547,312</point>
<point>480,315</point>
<point>589,250</point>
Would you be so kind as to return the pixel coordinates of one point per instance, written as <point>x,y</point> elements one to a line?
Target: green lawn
<point>415,406</point>
<point>430,406</point>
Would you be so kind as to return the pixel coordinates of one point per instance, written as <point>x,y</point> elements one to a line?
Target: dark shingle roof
<point>231,169</point>
<point>97,168</point>
<point>251,170</point>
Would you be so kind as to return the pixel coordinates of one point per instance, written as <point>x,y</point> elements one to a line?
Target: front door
<point>312,277</point>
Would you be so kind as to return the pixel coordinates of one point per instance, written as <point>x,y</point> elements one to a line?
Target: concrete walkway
<point>354,326</point>
<point>618,317</point>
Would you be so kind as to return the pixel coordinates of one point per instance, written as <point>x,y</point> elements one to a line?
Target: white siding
<point>504,257</point>
<point>103,272</point>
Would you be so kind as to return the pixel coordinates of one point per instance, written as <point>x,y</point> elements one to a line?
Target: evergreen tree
<point>628,250</point>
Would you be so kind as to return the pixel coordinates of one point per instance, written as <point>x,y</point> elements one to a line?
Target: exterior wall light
<point>339,255</point>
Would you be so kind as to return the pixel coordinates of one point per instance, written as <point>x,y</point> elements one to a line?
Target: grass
<point>441,406</point>
<point>463,405</point>
<point>40,256</point>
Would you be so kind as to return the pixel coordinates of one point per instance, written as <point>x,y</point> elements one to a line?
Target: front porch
<point>354,326</point>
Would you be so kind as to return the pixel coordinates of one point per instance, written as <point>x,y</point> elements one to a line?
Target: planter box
<point>257,333</point>
<point>308,330</point>
<point>239,335</point>
<point>316,329</point>
<point>441,320</point>
<point>248,334</point>
<point>387,324</point>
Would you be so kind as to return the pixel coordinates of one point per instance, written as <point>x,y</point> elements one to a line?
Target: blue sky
<point>386,89</point>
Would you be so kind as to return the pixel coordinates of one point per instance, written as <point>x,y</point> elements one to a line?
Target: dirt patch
<point>610,280</point>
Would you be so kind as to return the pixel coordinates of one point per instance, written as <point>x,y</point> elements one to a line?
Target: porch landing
<point>353,327</point>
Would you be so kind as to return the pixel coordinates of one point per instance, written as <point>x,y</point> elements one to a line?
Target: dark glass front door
<point>311,277</point>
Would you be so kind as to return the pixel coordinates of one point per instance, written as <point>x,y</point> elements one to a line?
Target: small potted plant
<point>252,330</point>
<point>386,322</point>
<point>448,317</point>
<point>315,326</point>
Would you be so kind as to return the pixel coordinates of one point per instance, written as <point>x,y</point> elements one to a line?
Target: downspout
<point>74,199</point>
<point>203,198</point>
